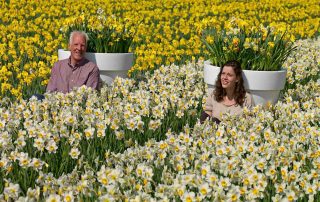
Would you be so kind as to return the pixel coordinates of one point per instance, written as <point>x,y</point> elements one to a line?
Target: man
<point>76,70</point>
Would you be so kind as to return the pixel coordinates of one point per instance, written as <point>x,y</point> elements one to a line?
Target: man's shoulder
<point>61,62</point>
<point>85,62</point>
<point>90,63</point>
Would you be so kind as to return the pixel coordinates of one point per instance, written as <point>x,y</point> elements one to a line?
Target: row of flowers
<point>232,162</point>
<point>163,32</point>
<point>67,147</point>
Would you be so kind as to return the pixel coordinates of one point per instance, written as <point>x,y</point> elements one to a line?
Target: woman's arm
<point>207,113</point>
<point>208,107</point>
<point>205,116</point>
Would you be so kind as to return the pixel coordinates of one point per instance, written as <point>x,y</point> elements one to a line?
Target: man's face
<point>77,48</point>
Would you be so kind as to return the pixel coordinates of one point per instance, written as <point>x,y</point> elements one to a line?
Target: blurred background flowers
<point>164,32</point>
<point>256,48</point>
<point>106,34</point>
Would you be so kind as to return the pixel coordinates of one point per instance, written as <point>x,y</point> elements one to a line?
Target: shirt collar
<point>81,63</point>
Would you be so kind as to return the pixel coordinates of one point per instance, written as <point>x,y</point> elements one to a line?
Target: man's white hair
<point>81,33</point>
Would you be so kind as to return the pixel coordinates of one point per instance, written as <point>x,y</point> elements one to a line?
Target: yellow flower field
<point>165,31</point>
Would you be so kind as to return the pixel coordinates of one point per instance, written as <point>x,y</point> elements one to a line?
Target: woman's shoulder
<point>248,101</point>
<point>212,95</point>
<point>248,95</point>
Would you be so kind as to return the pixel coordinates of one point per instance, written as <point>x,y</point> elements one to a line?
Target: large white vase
<point>110,65</point>
<point>265,86</point>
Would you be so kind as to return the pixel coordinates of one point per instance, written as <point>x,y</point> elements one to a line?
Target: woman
<point>229,95</point>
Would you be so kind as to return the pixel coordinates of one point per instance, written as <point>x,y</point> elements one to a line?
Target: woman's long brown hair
<point>239,91</point>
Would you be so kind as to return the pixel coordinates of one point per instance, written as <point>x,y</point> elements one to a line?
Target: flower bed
<point>141,141</point>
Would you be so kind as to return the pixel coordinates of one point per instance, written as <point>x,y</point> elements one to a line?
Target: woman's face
<point>228,78</point>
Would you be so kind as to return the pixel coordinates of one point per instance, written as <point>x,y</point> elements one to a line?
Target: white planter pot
<point>265,86</point>
<point>110,65</point>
